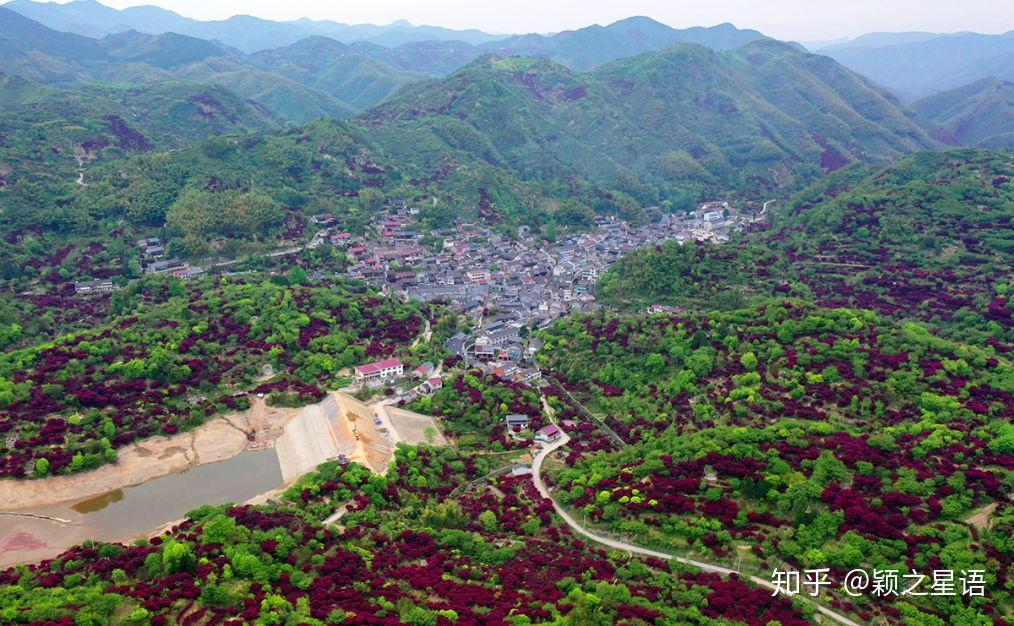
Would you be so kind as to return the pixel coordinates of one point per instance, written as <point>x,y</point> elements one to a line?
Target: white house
<point>373,374</point>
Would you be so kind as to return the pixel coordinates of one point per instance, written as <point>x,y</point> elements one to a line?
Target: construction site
<point>341,427</point>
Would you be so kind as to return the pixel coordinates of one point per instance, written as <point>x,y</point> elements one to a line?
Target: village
<point>506,286</point>
<point>510,286</point>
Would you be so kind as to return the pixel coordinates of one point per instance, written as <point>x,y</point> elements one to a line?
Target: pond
<point>135,511</point>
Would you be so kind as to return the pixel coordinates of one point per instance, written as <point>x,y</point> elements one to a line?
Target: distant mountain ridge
<point>876,40</point>
<point>315,76</point>
<point>591,46</point>
<point>916,65</point>
<point>979,114</point>
<point>430,50</point>
<point>67,60</point>
<point>244,32</point>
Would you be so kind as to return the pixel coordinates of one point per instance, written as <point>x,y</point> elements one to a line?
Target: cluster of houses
<point>477,270</point>
<point>154,261</point>
<point>496,346</point>
<point>390,371</point>
<point>507,285</point>
<point>152,254</point>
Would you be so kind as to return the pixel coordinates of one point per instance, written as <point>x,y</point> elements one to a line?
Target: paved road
<point>628,547</point>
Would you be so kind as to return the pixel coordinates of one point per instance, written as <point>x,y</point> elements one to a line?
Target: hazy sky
<point>802,20</point>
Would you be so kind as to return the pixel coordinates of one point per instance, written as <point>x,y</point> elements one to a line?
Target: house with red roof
<point>379,372</point>
<point>548,433</point>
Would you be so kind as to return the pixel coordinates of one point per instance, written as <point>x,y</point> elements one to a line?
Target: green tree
<point>177,557</point>
<point>371,199</point>
<point>748,361</point>
<point>41,466</point>
<point>297,276</point>
<point>487,519</point>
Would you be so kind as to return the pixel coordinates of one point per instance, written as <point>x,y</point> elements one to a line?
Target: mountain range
<point>578,49</point>
<point>315,76</point>
<point>913,65</point>
<point>360,65</point>
<point>244,32</point>
<point>512,140</point>
<point>686,117</point>
<point>573,127</point>
<point>917,65</point>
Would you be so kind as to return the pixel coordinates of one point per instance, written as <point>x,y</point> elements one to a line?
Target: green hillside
<point>520,140</point>
<point>361,81</point>
<point>672,123</point>
<point>336,69</point>
<point>979,114</point>
<point>929,237</point>
<point>288,99</point>
<point>49,136</point>
<point>588,47</point>
<point>65,60</point>
<point>790,433</point>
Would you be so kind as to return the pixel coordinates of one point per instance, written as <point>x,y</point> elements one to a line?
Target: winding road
<point>634,549</point>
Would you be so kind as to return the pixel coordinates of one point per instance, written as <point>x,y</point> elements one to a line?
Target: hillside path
<point>634,549</point>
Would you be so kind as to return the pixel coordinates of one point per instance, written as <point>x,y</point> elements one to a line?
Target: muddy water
<point>135,511</point>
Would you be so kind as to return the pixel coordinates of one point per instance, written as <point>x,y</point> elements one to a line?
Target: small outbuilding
<point>548,433</point>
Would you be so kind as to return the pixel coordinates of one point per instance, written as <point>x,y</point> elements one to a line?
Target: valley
<point>313,322</point>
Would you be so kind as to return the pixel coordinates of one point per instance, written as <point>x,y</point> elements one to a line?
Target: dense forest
<point>927,238</point>
<point>800,435</point>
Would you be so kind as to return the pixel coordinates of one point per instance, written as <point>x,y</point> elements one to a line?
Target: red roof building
<point>548,433</point>
<point>378,372</point>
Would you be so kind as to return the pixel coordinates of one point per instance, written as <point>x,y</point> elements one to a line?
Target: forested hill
<point>47,135</point>
<point>519,140</point>
<point>658,125</point>
<point>170,115</point>
<point>928,237</point>
<point>978,114</point>
<point>792,433</point>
